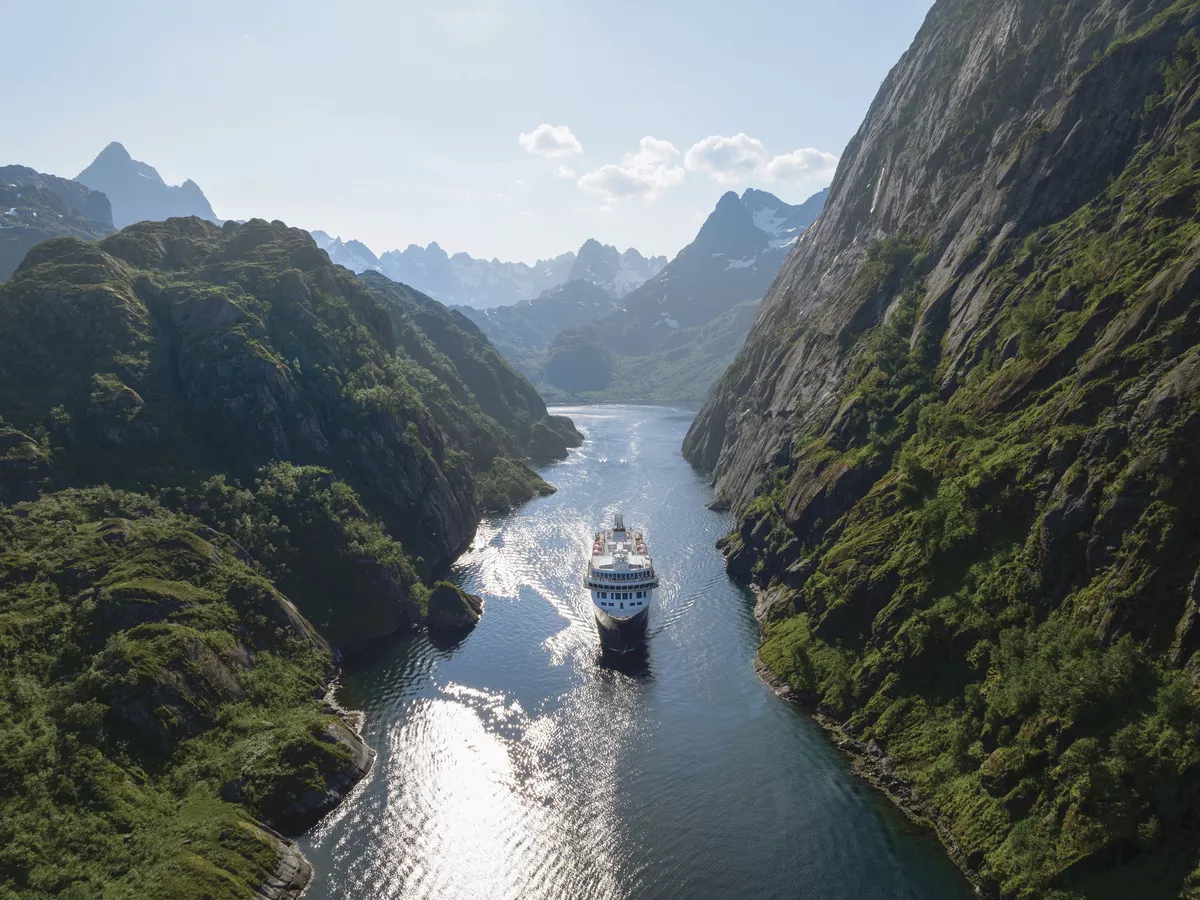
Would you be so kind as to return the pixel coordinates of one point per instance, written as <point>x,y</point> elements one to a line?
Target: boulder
<point>451,609</point>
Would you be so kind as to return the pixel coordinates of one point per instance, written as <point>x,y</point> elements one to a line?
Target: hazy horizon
<point>510,131</point>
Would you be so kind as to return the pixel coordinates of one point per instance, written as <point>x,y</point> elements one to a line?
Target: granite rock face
<point>995,123</point>
<point>958,442</point>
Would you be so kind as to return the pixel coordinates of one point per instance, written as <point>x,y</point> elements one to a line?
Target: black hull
<point>622,635</point>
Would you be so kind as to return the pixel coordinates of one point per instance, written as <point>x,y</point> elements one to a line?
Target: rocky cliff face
<point>957,442</point>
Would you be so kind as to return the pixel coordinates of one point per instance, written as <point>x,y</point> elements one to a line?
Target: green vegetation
<point>577,361</point>
<point>144,668</point>
<point>1000,587</point>
<point>211,438</point>
<point>507,483</point>
<point>37,207</point>
<point>680,371</point>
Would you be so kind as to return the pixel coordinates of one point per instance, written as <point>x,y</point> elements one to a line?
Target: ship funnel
<point>618,522</point>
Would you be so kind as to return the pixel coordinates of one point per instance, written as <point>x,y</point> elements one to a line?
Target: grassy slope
<point>143,668</point>
<point>1001,609</point>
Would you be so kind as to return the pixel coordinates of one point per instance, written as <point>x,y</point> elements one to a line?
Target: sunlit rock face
<point>956,439</point>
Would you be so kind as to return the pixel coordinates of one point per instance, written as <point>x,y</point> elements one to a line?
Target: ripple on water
<point>522,764</point>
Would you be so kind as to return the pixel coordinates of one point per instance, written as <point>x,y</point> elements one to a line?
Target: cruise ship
<point>622,582</point>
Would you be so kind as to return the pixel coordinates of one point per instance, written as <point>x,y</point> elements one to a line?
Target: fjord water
<point>518,764</point>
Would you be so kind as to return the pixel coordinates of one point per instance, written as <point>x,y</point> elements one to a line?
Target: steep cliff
<point>958,440</point>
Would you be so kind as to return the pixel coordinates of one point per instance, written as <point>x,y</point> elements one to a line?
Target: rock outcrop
<point>956,441</point>
<point>452,609</point>
<point>157,677</point>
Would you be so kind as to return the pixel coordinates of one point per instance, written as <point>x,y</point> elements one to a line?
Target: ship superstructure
<point>622,581</point>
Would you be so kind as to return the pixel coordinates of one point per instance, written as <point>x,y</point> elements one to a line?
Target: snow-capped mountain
<point>783,222</point>
<point>138,193</point>
<point>733,259</point>
<point>674,334</point>
<point>617,273</point>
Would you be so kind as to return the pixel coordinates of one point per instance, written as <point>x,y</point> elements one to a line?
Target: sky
<point>514,130</point>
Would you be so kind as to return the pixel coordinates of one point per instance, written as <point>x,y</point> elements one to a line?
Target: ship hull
<point>622,635</point>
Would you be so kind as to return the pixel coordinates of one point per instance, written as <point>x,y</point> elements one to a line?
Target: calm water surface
<point>518,765</point>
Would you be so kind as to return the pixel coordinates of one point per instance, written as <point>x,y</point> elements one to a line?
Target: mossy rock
<point>452,609</point>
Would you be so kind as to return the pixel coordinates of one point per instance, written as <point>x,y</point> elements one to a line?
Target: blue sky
<point>399,122</point>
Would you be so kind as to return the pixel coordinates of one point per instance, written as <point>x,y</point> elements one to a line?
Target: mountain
<point>733,259</point>
<point>354,255</point>
<point>138,193</point>
<point>523,331</point>
<point>669,338</point>
<point>617,273</point>
<point>958,443</point>
<point>36,207</point>
<point>223,462</point>
<point>221,349</point>
<point>462,280</point>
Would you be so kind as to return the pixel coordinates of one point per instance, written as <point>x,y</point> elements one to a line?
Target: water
<point>518,765</point>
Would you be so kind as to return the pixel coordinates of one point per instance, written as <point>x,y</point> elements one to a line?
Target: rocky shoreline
<point>452,611</point>
<point>869,761</point>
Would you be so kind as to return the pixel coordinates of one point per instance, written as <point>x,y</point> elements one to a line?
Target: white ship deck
<point>620,577</point>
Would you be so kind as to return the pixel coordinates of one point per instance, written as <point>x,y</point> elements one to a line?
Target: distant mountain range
<point>138,193</point>
<point>670,337</point>
<point>596,324</point>
<point>463,280</point>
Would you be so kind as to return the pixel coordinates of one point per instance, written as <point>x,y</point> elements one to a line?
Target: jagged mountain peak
<point>138,193</point>
<point>115,151</point>
<point>616,272</point>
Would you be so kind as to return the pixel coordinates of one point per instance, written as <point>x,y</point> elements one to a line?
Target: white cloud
<point>550,141</point>
<point>802,165</point>
<point>565,172</point>
<point>649,173</point>
<point>729,160</point>
<point>524,214</point>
